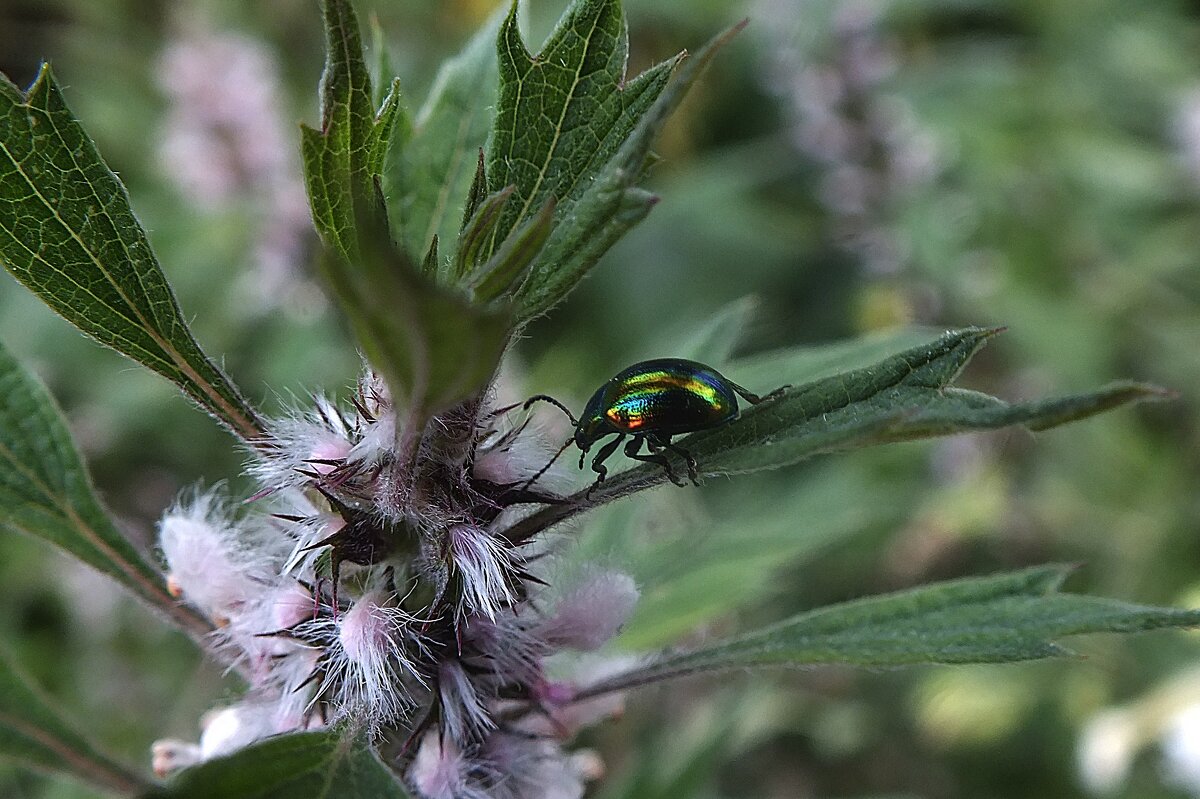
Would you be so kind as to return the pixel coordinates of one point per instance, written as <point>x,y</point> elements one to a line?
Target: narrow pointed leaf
<point>68,234</point>
<point>390,127</point>
<point>45,492</point>
<point>430,264</point>
<point>310,765</point>
<point>476,195</point>
<point>998,619</point>
<point>34,733</point>
<point>427,180</point>
<point>597,213</point>
<point>477,232</point>
<point>603,216</point>
<point>904,397</point>
<point>562,116</point>
<point>511,259</point>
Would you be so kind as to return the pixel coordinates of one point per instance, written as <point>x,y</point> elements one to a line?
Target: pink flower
<point>486,568</point>
<point>591,614</point>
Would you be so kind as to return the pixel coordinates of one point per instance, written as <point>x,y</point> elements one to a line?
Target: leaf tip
<point>980,334</point>
<point>43,83</point>
<point>1130,391</point>
<point>45,72</point>
<point>723,38</point>
<point>510,39</point>
<point>1065,570</point>
<point>1156,393</point>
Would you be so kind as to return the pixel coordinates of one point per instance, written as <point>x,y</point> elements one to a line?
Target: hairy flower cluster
<point>373,588</point>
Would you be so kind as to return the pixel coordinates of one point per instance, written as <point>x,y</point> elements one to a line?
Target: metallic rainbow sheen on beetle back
<point>666,396</point>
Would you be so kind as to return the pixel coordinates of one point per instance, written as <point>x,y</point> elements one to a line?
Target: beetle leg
<point>598,462</point>
<point>753,398</point>
<point>693,469</point>
<point>655,456</point>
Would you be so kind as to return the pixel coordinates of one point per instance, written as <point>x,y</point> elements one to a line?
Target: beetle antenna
<point>549,463</point>
<point>555,403</point>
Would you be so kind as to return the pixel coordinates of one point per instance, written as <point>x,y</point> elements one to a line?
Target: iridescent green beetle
<point>652,401</point>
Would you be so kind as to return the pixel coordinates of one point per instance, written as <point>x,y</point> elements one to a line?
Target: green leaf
<point>45,492</point>
<point>391,118</point>
<point>511,258</point>
<point>342,158</point>
<point>68,234</point>
<point>595,212</point>
<point>431,346</point>
<point>904,397</point>
<point>800,365</point>
<point>901,398</point>
<point>560,117</point>
<point>430,264</point>
<point>998,619</point>
<point>477,231</point>
<point>475,195</point>
<point>384,72</point>
<point>309,765</point>
<point>428,178</point>
<point>34,732</point>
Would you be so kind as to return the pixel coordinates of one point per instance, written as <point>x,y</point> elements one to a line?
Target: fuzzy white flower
<point>212,563</point>
<point>309,531</point>
<point>464,714</point>
<point>371,665</point>
<point>536,768</point>
<point>223,731</point>
<point>516,455</point>
<point>228,729</point>
<point>303,443</point>
<point>441,771</point>
<point>591,614</point>
<point>486,567</point>
<point>506,648</point>
<point>252,635</point>
<point>476,654</point>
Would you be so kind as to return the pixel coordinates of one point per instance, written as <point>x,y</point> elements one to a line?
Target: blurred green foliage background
<point>855,167</point>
